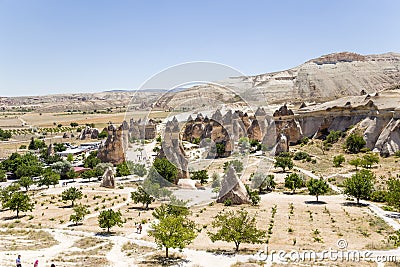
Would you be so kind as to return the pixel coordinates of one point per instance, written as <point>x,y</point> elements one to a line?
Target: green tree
<point>334,136</point>
<point>393,193</point>
<point>141,196</point>
<point>3,175</point>
<point>317,187</point>
<point>62,167</point>
<point>293,181</point>
<point>359,185</point>
<point>237,165</point>
<point>355,162</point>
<point>92,160</point>
<point>80,211</point>
<point>175,209</point>
<point>238,227</point>
<point>173,232</point>
<point>4,135</point>
<point>59,147</point>
<point>36,144</point>
<point>369,159</point>
<point>283,162</point>
<point>138,169</point>
<point>70,158</point>
<point>354,143</point>
<point>260,181</point>
<point>123,170</point>
<point>216,180</point>
<point>338,160</point>
<point>49,178</point>
<point>89,174</point>
<point>166,169</point>
<point>109,218</point>
<point>72,194</point>
<point>253,195</point>
<point>19,201</point>
<point>74,124</point>
<point>201,175</point>
<point>220,149</point>
<point>103,134</point>
<point>6,192</point>
<point>26,182</point>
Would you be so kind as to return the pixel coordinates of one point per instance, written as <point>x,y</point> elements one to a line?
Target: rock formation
<point>172,149</point>
<point>113,148</point>
<point>142,129</point>
<point>89,133</point>
<point>232,188</point>
<point>108,178</point>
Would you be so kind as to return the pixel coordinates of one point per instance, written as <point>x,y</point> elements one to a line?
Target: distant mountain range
<point>321,79</point>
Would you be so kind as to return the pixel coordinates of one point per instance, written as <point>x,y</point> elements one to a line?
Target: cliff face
<point>321,79</point>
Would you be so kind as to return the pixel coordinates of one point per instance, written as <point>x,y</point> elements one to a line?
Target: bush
<point>338,160</point>
<point>354,143</point>
<point>378,196</point>
<point>300,155</point>
<point>334,136</point>
<point>228,202</point>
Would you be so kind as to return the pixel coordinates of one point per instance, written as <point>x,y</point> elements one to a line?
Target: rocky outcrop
<point>233,189</point>
<point>89,133</point>
<point>172,149</point>
<point>108,178</point>
<point>389,140</point>
<point>113,148</point>
<point>141,129</point>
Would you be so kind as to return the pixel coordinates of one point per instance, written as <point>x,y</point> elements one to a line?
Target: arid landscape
<point>303,160</point>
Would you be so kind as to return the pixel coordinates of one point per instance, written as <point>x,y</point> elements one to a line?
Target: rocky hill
<point>322,79</point>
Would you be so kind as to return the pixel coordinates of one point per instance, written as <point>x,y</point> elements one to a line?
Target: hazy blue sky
<point>58,46</point>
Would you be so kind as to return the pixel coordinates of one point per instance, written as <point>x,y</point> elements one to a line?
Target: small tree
<point>260,181</point>
<point>166,169</point>
<point>49,178</point>
<point>72,194</point>
<point>317,187</point>
<point>80,211</point>
<point>92,160</point>
<point>200,175</point>
<point>369,159</point>
<point>283,162</point>
<point>26,182</point>
<point>173,232</point>
<point>237,165</point>
<point>338,160</point>
<point>354,143</point>
<point>89,174</point>
<point>123,170</point>
<point>293,181</point>
<point>141,196</point>
<point>355,162</point>
<point>109,218</point>
<point>19,201</point>
<point>216,180</point>
<point>359,185</point>
<point>238,227</point>
<point>254,196</point>
<point>70,158</point>
<point>393,193</point>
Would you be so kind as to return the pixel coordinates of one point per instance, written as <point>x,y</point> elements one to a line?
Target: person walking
<point>18,261</point>
<point>36,264</point>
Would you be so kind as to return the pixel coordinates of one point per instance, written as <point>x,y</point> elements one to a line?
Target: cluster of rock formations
<point>233,125</point>
<point>88,133</point>
<point>380,126</point>
<point>141,129</point>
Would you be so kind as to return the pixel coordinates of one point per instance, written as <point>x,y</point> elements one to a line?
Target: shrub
<point>300,155</point>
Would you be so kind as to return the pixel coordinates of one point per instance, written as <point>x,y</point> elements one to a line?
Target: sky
<point>66,46</point>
